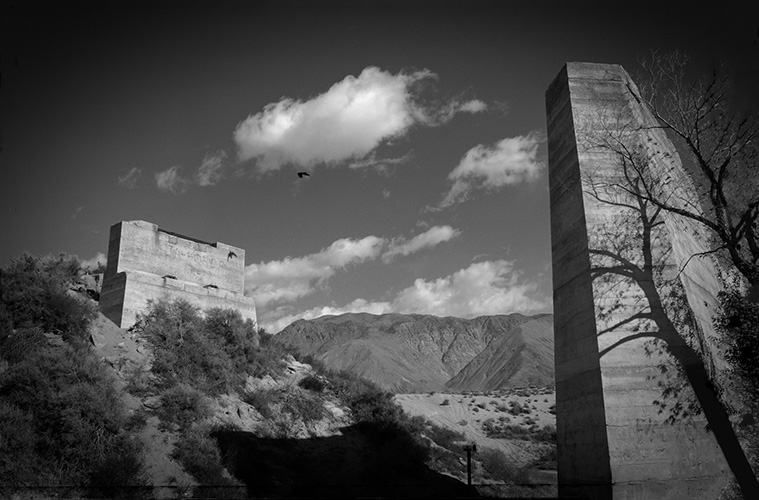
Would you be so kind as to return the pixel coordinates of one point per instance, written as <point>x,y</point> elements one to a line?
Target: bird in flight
<point>303,174</point>
<point>231,254</point>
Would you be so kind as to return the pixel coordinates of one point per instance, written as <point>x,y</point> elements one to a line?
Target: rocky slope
<point>422,353</point>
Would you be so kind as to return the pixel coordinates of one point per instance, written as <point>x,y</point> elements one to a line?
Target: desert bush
<point>24,342</point>
<point>445,437</point>
<point>515,408</point>
<point>497,464</point>
<point>63,403</point>
<point>445,402</point>
<point>183,405</point>
<point>312,383</point>
<point>303,406</point>
<point>261,400</point>
<point>214,354</point>
<point>199,455</point>
<point>35,292</point>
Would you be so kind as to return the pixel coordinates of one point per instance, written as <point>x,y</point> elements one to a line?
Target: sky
<point>421,126</point>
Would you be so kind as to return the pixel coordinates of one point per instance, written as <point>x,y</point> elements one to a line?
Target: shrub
<point>312,383</point>
<point>445,437</point>
<point>35,292</point>
<point>214,354</point>
<point>445,402</point>
<point>199,455</point>
<point>62,402</point>
<point>515,408</point>
<point>498,466</point>
<point>303,406</point>
<point>183,405</point>
<point>260,400</point>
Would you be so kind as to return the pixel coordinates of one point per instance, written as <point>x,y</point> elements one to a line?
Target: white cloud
<point>428,239</point>
<point>437,116</point>
<point>211,169</point>
<point>490,287</point>
<point>93,262</point>
<point>510,161</point>
<point>483,288</point>
<point>172,180</point>
<point>473,106</point>
<point>347,122</point>
<point>129,179</point>
<point>274,321</point>
<point>380,164</point>
<point>293,277</point>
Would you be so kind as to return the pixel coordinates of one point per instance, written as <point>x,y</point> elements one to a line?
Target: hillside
<point>407,353</point>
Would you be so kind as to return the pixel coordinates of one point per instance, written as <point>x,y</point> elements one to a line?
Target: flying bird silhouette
<point>231,254</point>
<point>303,174</point>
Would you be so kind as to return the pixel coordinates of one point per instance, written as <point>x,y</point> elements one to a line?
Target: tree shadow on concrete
<point>367,460</point>
<point>641,297</point>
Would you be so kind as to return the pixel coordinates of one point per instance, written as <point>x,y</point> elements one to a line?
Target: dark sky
<point>422,125</point>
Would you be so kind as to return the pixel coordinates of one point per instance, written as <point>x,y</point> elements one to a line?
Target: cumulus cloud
<point>211,169</point>
<point>275,320</point>
<point>510,161</point>
<point>483,288</point>
<point>93,262</point>
<point>294,277</point>
<point>347,122</point>
<point>172,180</point>
<point>129,179</point>
<point>428,239</point>
<point>491,287</point>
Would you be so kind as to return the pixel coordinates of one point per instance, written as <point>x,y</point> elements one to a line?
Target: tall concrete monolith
<point>147,263</point>
<point>633,326</point>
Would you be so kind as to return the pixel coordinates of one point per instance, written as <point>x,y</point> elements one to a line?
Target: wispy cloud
<point>211,169</point>
<point>277,283</point>
<point>346,122</point>
<point>291,278</point>
<point>172,180</point>
<point>428,239</point>
<point>381,164</point>
<point>510,161</point>
<point>438,115</point>
<point>483,288</point>
<point>129,179</point>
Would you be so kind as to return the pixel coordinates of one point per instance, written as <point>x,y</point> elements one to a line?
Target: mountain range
<point>407,353</point>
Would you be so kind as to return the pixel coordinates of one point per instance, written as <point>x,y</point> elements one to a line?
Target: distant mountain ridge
<point>422,353</point>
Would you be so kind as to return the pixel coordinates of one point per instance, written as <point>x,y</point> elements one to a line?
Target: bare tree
<point>721,145</point>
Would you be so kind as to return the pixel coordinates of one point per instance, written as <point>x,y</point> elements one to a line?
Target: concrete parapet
<point>146,263</point>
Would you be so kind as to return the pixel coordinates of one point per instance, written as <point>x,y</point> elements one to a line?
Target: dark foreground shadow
<point>365,461</point>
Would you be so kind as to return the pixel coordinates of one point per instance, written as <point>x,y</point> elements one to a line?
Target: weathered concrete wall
<point>147,263</point>
<point>612,440</point>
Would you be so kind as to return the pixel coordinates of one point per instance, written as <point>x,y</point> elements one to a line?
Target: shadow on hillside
<point>365,461</point>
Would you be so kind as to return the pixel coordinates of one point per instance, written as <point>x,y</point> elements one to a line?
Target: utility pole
<point>469,448</point>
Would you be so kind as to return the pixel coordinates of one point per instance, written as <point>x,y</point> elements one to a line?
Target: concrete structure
<point>612,440</point>
<point>145,262</point>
